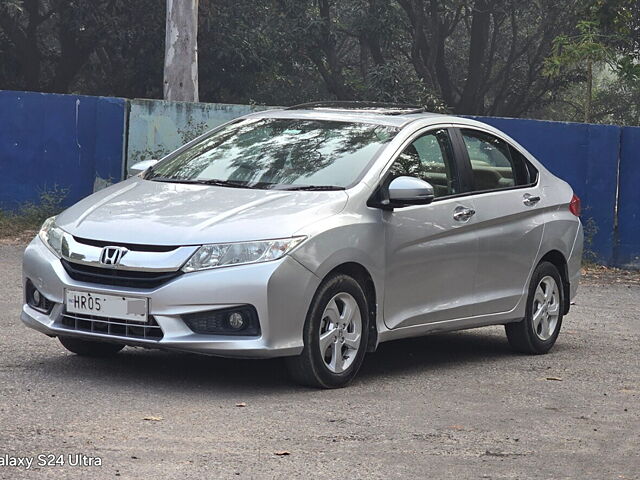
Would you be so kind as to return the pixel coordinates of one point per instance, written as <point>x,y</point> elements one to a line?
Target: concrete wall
<point>157,127</point>
<point>65,141</point>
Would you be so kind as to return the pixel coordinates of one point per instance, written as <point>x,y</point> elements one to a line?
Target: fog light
<point>37,300</point>
<point>236,321</point>
<point>241,320</point>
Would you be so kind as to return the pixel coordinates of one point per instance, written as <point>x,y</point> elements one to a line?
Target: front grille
<point>121,278</point>
<point>112,326</point>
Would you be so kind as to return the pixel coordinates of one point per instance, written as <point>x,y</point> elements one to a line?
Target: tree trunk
<point>472,101</point>
<point>589,96</point>
<point>332,71</point>
<point>181,51</point>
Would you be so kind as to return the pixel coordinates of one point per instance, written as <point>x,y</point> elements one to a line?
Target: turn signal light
<point>574,205</point>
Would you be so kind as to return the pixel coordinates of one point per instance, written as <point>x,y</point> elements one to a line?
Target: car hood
<point>156,213</point>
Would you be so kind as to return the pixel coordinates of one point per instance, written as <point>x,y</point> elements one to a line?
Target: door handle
<point>530,200</point>
<point>462,214</point>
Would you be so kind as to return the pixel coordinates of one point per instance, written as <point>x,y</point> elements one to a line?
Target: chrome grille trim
<point>136,259</point>
<point>121,278</point>
<point>149,331</point>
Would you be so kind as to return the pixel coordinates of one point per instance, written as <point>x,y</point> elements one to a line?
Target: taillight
<point>574,205</point>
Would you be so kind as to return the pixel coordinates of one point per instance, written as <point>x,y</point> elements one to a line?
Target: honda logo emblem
<point>112,255</point>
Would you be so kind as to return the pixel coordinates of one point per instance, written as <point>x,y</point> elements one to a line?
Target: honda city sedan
<point>313,233</point>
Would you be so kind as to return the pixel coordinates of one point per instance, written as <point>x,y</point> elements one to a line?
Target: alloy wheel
<point>340,332</point>
<point>546,308</point>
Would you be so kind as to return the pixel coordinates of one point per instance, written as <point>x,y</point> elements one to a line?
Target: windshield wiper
<point>215,183</point>
<point>236,184</point>
<point>312,187</point>
<point>224,183</point>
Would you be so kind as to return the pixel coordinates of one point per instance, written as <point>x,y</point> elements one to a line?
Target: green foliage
<point>29,216</point>
<point>628,69</point>
<point>590,230</point>
<point>602,56</point>
<point>571,50</point>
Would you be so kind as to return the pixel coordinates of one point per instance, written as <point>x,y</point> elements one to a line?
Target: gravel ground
<point>458,405</point>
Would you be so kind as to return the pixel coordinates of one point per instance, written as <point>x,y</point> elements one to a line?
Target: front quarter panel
<point>356,235</point>
<point>344,241</point>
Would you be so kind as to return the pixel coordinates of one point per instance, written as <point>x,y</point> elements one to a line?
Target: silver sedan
<point>313,233</point>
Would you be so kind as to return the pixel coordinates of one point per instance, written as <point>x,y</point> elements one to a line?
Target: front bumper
<point>281,292</point>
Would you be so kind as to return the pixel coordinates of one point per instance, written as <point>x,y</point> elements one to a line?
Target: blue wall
<point>78,143</point>
<point>627,253</point>
<point>73,142</point>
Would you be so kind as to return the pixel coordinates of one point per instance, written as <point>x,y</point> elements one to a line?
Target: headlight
<point>52,236</point>
<point>225,254</point>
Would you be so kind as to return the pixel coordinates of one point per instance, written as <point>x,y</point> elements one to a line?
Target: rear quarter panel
<point>563,230</point>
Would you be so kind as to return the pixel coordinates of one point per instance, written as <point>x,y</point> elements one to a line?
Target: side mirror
<point>140,167</point>
<point>406,191</point>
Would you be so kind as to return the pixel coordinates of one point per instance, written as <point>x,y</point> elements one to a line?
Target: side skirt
<point>449,326</point>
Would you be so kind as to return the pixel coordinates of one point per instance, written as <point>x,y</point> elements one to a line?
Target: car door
<point>508,220</point>
<point>431,251</point>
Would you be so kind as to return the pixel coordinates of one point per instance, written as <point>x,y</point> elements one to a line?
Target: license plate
<point>111,306</point>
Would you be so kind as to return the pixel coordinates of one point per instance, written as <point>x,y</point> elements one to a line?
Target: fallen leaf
<point>241,404</point>
<point>556,379</point>
<point>153,419</point>
<point>282,453</point>
<point>497,453</point>
<point>627,390</point>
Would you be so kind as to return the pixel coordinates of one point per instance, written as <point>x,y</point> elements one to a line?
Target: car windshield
<point>276,153</point>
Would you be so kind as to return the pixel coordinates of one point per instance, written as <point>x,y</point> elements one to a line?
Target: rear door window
<point>491,162</point>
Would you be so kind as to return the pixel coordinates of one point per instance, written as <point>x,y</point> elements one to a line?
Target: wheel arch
<point>360,273</point>
<point>556,258</point>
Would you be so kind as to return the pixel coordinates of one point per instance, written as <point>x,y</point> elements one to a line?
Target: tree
<point>468,56</point>
<point>181,51</point>
<point>584,49</point>
<point>485,56</point>
<point>603,50</point>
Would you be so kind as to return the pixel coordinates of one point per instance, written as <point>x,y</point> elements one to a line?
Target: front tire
<point>335,335</point>
<point>537,333</point>
<point>90,348</point>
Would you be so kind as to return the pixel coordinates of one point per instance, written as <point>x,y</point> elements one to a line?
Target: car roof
<point>395,115</point>
<point>347,116</point>
<point>381,114</point>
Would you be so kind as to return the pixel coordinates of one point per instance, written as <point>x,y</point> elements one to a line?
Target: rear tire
<point>335,335</point>
<point>537,333</point>
<point>90,348</point>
